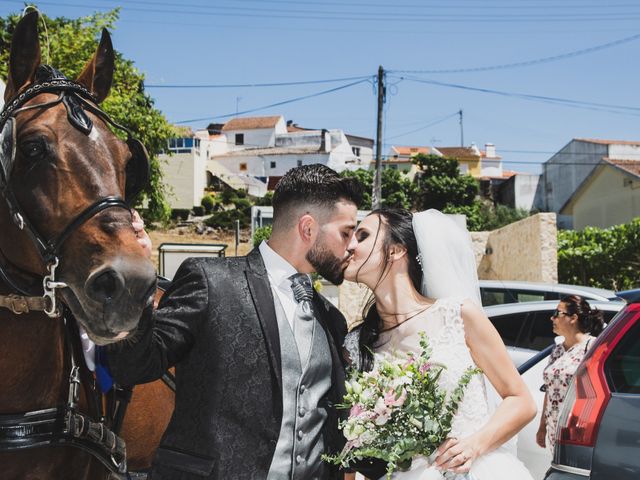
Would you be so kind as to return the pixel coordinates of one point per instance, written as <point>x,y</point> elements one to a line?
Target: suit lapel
<point>262,297</point>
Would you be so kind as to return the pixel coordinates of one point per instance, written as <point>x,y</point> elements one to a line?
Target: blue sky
<point>273,41</point>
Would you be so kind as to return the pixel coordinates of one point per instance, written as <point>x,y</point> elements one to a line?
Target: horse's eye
<point>33,148</point>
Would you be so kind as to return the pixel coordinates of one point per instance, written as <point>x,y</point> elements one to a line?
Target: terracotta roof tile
<point>629,166</point>
<point>409,151</point>
<point>457,152</point>
<point>250,123</point>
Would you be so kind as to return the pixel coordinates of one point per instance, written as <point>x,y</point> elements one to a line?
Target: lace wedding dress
<point>445,331</point>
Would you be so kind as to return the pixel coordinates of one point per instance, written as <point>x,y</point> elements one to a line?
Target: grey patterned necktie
<point>302,327</point>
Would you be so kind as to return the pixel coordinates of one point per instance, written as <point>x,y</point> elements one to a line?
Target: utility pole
<point>376,196</point>
<point>461,129</point>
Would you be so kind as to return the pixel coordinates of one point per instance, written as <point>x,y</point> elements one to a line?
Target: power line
<point>259,85</point>
<point>377,17</point>
<point>618,109</point>
<point>277,104</point>
<point>431,124</point>
<point>537,61</point>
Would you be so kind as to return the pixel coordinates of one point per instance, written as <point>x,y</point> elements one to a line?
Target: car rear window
<point>623,366</point>
<point>509,327</point>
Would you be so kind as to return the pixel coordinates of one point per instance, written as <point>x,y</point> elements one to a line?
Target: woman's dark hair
<point>590,320</point>
<point>399,231</point>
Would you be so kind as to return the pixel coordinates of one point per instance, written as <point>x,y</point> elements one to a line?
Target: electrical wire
<point>527,63</point>
<point>259,85</point>
<point>277,104</point>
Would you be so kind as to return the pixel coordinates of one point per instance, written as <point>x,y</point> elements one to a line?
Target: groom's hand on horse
<point>143,238</point>
<point>456,455</point>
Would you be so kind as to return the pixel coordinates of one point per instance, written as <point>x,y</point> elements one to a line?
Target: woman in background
<point>578,323</point>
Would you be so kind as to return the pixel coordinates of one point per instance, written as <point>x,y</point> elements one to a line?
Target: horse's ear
<point>97,74</point>
<point>25,54</point>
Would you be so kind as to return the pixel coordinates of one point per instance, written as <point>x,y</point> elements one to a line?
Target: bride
<point>422,272</point>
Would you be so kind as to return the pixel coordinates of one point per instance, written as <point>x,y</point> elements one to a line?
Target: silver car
<point>495,292</point>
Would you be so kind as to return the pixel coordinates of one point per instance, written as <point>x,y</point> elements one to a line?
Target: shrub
<point>260,234</point>
<point>198,211</point>
<point>207,203</point>
<point>180,213</point>
<point>601,257</point>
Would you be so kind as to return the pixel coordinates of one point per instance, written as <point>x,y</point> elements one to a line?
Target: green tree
<point>67,45</point>
<point>397,189</point>
<point>439,183</point>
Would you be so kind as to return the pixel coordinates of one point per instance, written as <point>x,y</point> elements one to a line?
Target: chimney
<point>289,123</point>
<point>490,150</point>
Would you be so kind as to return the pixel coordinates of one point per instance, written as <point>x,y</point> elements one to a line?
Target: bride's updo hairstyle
<point>398,231</point>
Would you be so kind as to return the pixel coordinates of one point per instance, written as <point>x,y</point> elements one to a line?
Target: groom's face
<point>329,256</point>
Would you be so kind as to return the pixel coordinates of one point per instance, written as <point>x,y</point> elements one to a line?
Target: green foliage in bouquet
<point>398,410</point>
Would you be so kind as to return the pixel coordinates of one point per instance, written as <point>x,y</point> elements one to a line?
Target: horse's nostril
<point>105,286</point>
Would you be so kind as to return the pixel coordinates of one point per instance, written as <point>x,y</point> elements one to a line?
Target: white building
<point>252,153</point>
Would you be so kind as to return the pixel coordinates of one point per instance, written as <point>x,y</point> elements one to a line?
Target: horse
<point>70,265</point>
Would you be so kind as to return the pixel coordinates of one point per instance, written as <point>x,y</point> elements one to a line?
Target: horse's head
<point>63,186</point>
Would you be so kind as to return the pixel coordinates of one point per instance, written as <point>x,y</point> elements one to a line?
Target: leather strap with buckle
<point>22,304</point>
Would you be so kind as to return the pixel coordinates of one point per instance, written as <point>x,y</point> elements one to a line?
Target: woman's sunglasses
<point>557,313</point>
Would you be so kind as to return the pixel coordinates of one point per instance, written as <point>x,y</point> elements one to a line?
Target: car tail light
<point>589,392</point>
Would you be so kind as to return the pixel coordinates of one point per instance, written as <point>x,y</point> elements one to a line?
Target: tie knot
<point>301,286</point>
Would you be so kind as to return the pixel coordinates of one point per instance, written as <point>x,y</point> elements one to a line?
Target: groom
<point>257,351</point>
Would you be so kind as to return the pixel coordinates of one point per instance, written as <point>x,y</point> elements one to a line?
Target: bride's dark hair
<point>399,231</point>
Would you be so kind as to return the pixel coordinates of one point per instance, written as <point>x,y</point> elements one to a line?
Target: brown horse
<point>69,261</point>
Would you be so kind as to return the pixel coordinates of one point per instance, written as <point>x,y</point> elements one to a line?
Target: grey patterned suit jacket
<point>217,325</point>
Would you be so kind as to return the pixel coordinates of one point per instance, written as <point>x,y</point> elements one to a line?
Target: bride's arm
<point>514,412</point>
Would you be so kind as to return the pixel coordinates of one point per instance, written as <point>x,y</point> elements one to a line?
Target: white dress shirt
<point>279,271</point>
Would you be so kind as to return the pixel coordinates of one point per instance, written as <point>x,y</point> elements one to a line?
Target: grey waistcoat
<point>305,383</point>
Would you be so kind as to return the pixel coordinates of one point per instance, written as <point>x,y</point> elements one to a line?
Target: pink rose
<point>356,410</point>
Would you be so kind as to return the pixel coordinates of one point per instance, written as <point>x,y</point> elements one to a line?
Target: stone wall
<point>524,250</point>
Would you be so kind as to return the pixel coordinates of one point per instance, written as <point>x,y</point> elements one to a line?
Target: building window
<point>239,138</point>
<point>273,164</point>
<point>243,167</point>
<point>299,162</point>
<point>464,168</point>
<point>356,151</point>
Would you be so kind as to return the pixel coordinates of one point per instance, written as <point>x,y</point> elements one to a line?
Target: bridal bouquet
<point>398,411</point>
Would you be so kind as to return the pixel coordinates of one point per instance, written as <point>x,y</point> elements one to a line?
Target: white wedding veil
<point>446,256</point>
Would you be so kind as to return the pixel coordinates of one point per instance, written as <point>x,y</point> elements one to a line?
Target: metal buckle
<point>49,286</point>
<point>19,304</point>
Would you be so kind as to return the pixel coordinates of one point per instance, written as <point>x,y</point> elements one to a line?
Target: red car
<point>599,426</point>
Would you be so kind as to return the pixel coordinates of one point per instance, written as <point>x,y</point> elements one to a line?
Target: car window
<point>492,296</point>
<point>510,326</point>
<point>539,333</point>
<point>623,366</point>
<point>529,296</point>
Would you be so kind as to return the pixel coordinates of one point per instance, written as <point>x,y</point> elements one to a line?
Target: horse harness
<point>64,425</point>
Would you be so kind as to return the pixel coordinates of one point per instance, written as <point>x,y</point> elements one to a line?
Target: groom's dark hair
<point>309,187</point>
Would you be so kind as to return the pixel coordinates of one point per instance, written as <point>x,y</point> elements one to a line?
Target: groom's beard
<point>327,264</point>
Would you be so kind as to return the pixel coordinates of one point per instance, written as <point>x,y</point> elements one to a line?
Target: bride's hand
<point>456,455</point>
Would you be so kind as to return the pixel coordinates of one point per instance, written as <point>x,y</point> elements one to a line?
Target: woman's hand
<point>457,455</point>
<point>143,238</point>
<point>541,435</point>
